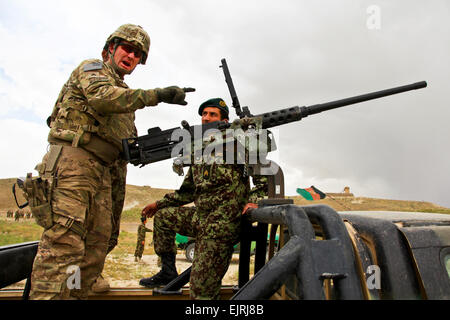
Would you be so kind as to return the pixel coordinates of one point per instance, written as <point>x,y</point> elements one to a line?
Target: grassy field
<point>12,232</point>
<point>119,264</point>
<point>25,230</point>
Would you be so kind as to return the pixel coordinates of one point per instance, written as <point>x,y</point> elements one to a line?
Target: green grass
<point>438,210</point>
<point>127,243</point>
<point>12,232</point>
<point>117,264</point>
<point>131,215</point>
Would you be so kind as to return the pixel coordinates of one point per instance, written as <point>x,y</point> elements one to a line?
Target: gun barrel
<point>284,116</point>
<point>158,145</point>
<point>280,117</point>
<point>361,98</point>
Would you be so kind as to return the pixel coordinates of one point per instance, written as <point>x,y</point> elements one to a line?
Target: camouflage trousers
<point>212,256</point>
<point>118,172</point>
<point>66,265</point>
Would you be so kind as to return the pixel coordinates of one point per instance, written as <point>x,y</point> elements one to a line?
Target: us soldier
<point>118,171</point>
<point>95,110</point>
<point>142,230</point>
<point>220,193</point>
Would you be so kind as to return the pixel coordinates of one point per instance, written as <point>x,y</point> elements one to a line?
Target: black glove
<point>173,95</point>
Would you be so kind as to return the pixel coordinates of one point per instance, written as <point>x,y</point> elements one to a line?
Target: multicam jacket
<point>95,101</point>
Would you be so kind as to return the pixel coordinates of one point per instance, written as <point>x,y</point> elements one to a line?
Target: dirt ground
<point>147,267</point>
<point>149,262</point>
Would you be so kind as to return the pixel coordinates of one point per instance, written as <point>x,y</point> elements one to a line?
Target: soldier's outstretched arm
<point>98,87</point>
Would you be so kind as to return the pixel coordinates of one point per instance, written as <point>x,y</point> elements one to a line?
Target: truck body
<point>320,255</point>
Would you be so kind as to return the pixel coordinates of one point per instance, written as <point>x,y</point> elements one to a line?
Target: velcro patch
<point>93,66</point>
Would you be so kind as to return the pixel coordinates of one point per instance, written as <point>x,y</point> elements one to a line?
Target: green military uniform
<point>142,230</point>
<point>219,192</point>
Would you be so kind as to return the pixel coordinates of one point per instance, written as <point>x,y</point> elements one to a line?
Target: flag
<point>311,193</point>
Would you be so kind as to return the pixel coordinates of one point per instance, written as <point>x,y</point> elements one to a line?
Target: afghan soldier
<point>9,213</point>
<point>142,230</point>
<point>220,192</point>
<point>17,215</point>
<point>95,110</point>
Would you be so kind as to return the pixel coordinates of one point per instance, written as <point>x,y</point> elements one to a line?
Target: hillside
<point>139,196</point>
<point>373,204</point>
<point>136,196</point>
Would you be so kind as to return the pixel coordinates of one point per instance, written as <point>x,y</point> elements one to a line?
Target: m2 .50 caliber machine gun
<point>177,143</point>
<point>158,145</point>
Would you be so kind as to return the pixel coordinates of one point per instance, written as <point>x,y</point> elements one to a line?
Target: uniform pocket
<point>43,215</point>
<point>37,191</point>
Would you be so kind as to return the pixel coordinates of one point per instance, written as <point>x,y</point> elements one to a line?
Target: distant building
<point>344,194</point>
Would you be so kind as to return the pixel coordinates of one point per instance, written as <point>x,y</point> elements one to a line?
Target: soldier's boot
<point>135,259</point>
<point>100,285</point>
<point>167,274</point>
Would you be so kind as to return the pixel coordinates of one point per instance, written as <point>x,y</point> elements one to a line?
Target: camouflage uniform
<point>118,184</point>
<point>142,230</point>
<point>219,192</point>
<point>94,111</point>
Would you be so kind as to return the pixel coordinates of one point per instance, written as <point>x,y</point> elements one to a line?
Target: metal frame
<point>16,263</point>
<point>311,261</point>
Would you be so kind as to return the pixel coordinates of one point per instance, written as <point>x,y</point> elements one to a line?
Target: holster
<point>38,190</point>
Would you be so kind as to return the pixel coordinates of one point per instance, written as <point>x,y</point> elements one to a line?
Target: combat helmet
<point>134,34</point>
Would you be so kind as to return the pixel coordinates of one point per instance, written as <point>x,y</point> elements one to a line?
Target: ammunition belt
<point>102,149</point>
<point>106,152</point>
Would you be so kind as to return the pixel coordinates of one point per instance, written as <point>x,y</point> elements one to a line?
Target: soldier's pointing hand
<point>173,95</point>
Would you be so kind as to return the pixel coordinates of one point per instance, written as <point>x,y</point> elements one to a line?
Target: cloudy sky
<point>281,54</point>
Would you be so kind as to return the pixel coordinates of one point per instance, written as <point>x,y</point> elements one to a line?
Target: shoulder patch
<point>93,66</point>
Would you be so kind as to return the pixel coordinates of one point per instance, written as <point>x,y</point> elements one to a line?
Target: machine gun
<point>160,145</point>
